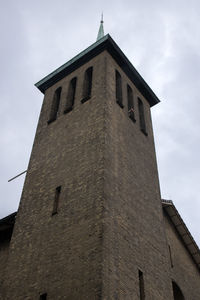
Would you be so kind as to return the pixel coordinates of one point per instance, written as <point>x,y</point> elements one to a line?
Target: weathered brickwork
<point>133,216</point>
<point>184,272</point>
<point>62,254</point>
<point>110,222</point>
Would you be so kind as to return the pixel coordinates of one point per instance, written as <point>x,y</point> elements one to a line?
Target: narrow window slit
<point>170,256</point>
<point>141,285</point>
<point>43,296</point>
<point>56,200</point>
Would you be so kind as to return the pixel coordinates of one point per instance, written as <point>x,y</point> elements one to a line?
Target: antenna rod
<point>17,176</point>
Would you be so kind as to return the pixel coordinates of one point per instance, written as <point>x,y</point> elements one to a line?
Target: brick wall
<point>109,223</point>
<point>184,272</point>
<point>62,254</point>
<point>135,234</point>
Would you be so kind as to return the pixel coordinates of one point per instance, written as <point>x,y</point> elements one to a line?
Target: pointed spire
<point>101,30</point>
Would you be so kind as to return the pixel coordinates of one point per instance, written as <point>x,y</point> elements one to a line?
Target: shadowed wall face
<point>135,234</point>
<point>4,252</point>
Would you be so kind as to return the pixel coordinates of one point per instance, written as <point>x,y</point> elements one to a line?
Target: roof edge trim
<point>105,43</point>
<point>78,56</point>
<point>182,230</point>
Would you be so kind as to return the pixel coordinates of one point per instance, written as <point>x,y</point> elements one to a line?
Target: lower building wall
<point>183,270</point>
<point>120,269</point>
<point>4,251</point>
<point>68,267</point>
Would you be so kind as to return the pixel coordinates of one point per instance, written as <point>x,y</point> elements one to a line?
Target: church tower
<point>90,222</point>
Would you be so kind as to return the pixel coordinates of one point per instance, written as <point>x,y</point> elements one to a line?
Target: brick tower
<point>90,222</point>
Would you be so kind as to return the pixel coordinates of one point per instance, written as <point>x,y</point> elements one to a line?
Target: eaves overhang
<point>105,43</point>
<point>182,231</point>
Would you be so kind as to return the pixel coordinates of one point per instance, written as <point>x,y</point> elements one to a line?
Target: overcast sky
<point>160,38</point>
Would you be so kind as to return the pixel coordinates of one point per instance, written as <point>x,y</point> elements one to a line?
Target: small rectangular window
<point>141,285</point>
<point>142,116</point>
<point>170,256</point>
<point>56,200</point>
<point>43,296</point>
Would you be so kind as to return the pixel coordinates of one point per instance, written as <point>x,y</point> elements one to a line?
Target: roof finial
<point>102,17</point>
<point>101,31</point>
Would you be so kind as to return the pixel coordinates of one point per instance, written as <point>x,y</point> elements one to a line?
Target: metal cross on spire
<point>101,30</point>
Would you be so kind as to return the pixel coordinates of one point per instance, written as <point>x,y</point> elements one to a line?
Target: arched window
<point>118,88</point>
<point>142,116</point>
<point>87,85</point>
<point>55,105</point>
<point>130,100</point>
<point>178,295</point>
<point>71,95</point>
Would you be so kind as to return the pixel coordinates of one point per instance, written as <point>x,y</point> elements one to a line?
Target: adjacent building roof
<point>182,231</point>
<point>8,221</point>
<point>105,43</point>
<point>6,226</point>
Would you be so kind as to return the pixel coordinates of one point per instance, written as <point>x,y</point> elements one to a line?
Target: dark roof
<point>105,43</point>
<point>182,231</point>
<point>8,221</point>
<point>6,227</point>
